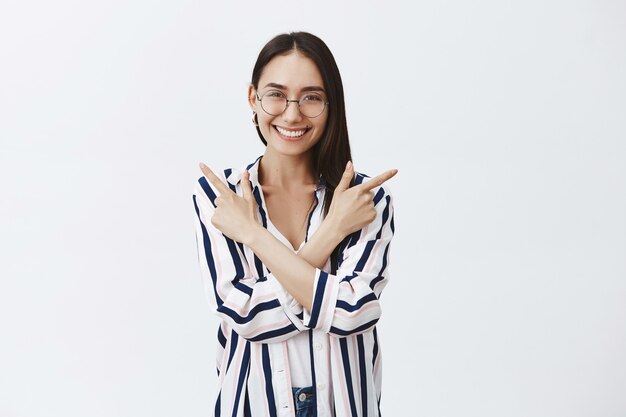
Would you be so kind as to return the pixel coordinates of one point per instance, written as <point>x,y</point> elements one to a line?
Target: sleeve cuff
<point>292,308</point>
<point>325,291</point>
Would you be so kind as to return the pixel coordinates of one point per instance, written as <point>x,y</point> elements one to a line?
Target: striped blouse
<point>258,316</point>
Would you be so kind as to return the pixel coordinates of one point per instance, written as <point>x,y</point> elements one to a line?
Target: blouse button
<point>321,386</point>
<point>318,346</point>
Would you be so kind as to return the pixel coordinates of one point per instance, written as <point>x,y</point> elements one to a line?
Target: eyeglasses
<point>275,102</point>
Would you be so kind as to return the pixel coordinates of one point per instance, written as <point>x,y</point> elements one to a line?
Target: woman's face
<point>293,75</point>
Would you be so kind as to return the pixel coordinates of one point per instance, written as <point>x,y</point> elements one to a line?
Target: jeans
<point>304,400</point>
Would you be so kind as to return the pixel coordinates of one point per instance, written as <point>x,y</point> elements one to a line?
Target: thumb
<point>245,184</point>
<point>344,183</point>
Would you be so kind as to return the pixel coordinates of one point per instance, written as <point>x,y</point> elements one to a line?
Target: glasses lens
<point>274,103</point>
<point>312,105</point>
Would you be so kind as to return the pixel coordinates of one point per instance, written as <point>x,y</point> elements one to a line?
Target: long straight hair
<point>332,152</point>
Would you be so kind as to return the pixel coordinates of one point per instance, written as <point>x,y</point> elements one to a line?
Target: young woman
<point>294,249</point>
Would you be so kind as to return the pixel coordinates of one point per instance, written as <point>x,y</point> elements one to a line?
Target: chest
<point>289,213</point>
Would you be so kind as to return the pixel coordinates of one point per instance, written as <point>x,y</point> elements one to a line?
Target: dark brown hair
<point>331,153</point>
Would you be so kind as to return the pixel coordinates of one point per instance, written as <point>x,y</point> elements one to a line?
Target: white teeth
<point>289,133</point>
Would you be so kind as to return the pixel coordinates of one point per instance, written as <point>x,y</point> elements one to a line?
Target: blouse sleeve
<point>251,305</point>
<point>348,302</point>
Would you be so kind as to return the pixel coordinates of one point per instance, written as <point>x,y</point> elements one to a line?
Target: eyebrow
<point>282,87</point>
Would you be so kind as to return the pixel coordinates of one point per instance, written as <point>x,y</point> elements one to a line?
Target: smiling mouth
<point>291,133</point>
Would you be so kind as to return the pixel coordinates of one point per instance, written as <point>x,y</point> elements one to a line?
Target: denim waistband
<point>303,397</point>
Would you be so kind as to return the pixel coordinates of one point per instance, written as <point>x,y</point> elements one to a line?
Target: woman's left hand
<point>234,216</point>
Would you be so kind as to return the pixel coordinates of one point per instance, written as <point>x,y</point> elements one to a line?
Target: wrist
<point>333,230</point>
<point>254,236</point>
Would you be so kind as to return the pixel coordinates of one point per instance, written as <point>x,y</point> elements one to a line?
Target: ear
<point>252,97</point>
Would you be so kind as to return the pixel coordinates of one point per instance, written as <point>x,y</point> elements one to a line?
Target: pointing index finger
<point>378,180</point>
<point>214,179</point>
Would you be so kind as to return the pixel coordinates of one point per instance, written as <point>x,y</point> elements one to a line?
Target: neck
<point>289,172</point>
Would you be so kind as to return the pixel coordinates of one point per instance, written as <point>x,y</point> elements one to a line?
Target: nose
<point>292,112</point>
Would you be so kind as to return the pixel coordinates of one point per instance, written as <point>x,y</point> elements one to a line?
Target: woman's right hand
<point>352,208</point>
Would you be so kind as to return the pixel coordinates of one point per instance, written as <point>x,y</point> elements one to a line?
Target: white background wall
<point>506,121</point>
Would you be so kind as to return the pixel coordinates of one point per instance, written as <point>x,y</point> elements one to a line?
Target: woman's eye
<point>274,94</point>
<point>312,97</point>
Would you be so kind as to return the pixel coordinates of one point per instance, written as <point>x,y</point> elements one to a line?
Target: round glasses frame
<point>287,105</point>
